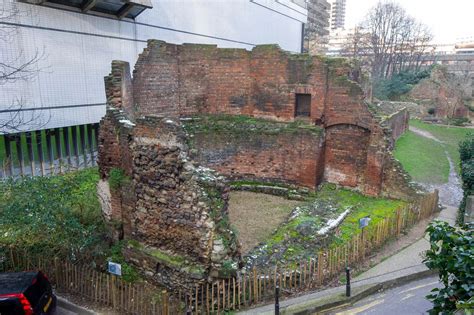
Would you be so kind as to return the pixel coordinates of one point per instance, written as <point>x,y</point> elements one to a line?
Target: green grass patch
<point>362,206</point>
<point>424,159</point>
<point>298,237</point>
<point>449,135</point>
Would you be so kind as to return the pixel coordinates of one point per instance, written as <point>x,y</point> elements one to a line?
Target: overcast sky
<point>450,21</point>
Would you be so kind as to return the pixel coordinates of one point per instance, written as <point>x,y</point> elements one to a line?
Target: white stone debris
<point>127,122</point>
<point>332,223</point>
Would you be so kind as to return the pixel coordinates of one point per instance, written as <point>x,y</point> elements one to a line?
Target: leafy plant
<point>398,84</point>
<point>129,273</point>
<point>57,215</point>
<point>466,153</point>
<point>452,254</point>
<point>117,178</point>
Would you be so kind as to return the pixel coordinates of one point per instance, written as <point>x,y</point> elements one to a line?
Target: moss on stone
<point>245,126</point>
<point>171,260</point>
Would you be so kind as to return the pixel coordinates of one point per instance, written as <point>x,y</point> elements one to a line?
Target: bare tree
<point>389,41</point>
<point>15,117</point>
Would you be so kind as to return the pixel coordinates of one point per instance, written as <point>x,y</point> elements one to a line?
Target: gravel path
<point>450,193</point>
<point>424,133</point>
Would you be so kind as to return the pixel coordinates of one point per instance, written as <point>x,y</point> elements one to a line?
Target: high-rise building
<point>317,27</point>
<point>338,14</point>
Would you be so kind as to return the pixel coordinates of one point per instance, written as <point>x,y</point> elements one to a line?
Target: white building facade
<point>76,45</point>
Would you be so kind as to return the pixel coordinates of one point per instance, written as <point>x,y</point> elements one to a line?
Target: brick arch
<point>346,151</point>
<point>352,121</point>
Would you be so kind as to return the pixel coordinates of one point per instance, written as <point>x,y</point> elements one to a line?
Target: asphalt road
<point>62,311</point>
<point>408,299</point>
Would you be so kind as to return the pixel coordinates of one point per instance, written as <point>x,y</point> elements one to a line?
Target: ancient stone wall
<point>182,80</point>
<point>185,80</point>
<point>160,187</point>
<point>269,151</point>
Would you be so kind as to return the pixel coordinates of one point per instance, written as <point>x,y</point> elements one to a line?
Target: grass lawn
<point>451,136</point>
<point>424,159</point>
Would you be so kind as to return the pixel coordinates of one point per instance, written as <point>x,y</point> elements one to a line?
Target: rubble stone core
<point>192,110</point>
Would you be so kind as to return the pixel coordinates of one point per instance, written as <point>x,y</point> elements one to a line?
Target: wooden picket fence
<point>255,287</point>
<point>247,289</point>
<point>103,289</point>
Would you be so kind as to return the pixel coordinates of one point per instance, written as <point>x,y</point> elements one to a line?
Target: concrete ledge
<point>63,303</point>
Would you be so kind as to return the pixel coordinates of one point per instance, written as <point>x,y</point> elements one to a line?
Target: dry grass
<point>256,216</point>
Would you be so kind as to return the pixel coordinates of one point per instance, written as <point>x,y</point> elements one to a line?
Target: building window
<point>303,105</point>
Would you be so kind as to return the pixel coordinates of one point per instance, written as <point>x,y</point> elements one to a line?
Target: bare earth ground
<point>257,215</point>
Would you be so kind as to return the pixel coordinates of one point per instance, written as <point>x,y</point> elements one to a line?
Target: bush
<point>452,254</point>
<point>57,215</point>
<point>399,84</point>
<point>466,152</point>
<point>458,121</point>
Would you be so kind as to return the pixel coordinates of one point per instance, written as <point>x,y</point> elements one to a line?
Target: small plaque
<point>115,269</point>
<point>364,222</point>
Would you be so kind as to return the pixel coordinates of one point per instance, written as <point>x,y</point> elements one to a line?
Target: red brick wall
<point>183,80</point>
<point>397,123</point>
<point>294,158</point>
<point>346,154</point>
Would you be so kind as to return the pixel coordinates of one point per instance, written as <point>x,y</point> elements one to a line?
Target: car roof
<point>16,282</point>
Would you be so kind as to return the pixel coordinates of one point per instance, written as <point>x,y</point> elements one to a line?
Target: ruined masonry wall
<point>182,80</point>
<point>162,187</point>
<point>286,157</point>
<point>397,124</point>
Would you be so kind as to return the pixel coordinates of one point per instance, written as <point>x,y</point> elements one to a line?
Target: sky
<point>450,21</point>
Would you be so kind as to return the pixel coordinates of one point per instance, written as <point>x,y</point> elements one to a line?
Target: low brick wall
<point>285,156</point>
<point>396,124</point>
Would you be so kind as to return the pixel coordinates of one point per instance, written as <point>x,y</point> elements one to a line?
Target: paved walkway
<point>406,262</point>
<point>411,257</point>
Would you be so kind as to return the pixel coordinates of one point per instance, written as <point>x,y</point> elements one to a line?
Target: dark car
<point>26,293</point>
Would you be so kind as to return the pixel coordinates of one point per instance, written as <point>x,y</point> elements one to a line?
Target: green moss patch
<point>300,236</point>
<point>244,125</point>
